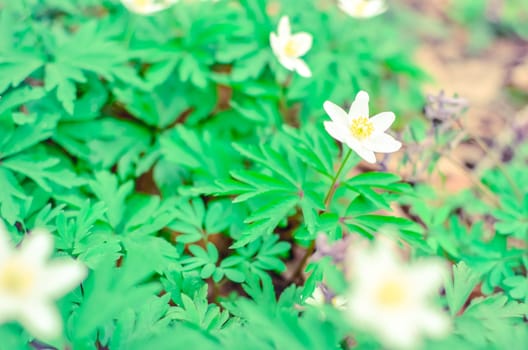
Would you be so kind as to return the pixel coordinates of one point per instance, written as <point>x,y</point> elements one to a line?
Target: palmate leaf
<point>17,138</point>
<point>199,312</point>
<point>103,142</point>
<point>203,153</point>
<point>278,185</point>
<point>142,323</point>
<point>129,213</point>
<point>193,222</point>
<point>12,197</point>
<point>87,50</point>
<point>488,320</point>
<point>21,157</point>
<point>43,172</point>
<point>164,104</point>
<point>16,61</point>
<point>120,289</point>
<point>460,286</point>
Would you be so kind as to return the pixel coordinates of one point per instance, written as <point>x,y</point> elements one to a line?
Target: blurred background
<point>476,50</point>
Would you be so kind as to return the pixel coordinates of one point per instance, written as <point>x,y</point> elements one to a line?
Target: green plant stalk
<point>332,188</point>
<point>328,198</point>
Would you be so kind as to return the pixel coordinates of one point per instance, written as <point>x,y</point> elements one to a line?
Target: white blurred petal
<point>302,68</point>
<point>288,63</point>
<point>382,121</point>
<point>274,43</point>
<point>303,42</point>
<point>382,143</point>
<point>364,153</point>
<point>335,130</point>
<point>359,107</point>
<point>336,113</point>
<point>284,29</point>
<point>435,324</point>
<point>36,247</point>
<point>41,320</point>
<point>60,277</point>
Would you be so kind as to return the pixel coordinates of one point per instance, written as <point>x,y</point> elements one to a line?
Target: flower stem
<point>328,198</point>
<point>332,188</point>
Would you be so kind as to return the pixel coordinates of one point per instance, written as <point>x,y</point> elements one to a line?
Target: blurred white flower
<point>363,135</point>
<point>29,284</point>
<point>290,47</point>
<point>391,299</point>
<point>362,8</point>
<point>147,7</point>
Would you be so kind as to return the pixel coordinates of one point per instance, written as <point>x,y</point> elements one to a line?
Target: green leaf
<point>460,286</point>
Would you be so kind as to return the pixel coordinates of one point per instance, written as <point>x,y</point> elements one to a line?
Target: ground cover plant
<point>248,174</point>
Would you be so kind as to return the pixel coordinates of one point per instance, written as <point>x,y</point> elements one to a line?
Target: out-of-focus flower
<point>321,296</point>
<point>363,135</point>
<point>362,8</point>
<point>29,283</point>
<point>147,7</point>
<point>290,47</point>
<point>391,299</point>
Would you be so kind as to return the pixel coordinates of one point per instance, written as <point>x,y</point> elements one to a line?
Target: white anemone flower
<point>147,7</point>
<point>390,299</point>
<point>362,134</point>
<point>362,8</point>
<point>29,284</point>
<point>288,47</point>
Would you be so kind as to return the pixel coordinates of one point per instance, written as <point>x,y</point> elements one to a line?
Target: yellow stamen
<point>391,294</point>
<point>142,3</point>
<point>361,128</point>
<point>16,278</point>
<point>360,8</point>
<point>291,49</point>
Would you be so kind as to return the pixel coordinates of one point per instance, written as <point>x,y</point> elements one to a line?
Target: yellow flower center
<point>291,48</point>
<point>16,278</point>
<point>142,3</point>
<point>391,294</point>
<point>361,128</point>
<point>361,7</point>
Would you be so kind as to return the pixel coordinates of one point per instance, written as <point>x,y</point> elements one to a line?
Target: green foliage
<point>175,157</point>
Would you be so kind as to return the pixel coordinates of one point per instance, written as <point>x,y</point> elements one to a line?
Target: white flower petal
<point>60,277</point>
<point>375,8</point>
<point>274,43</point>
<point>302,68</point>
<point>284,29</point>
<point>336,131</point>
<point>146,8</point>
<point>435,324</point>
<point>427,277</point>
<point>36,247</point>
<point>359,107</point>
<point>287,62</point>
<point>399,319</point>
<point>401,332</point>
<point>9,307</point>
<point>336,113</point>
<point>382,121</point>
<point>364,153</point>
<point>362,8</point>
<point>41,320</point>
<point>382,143</point>
<point>303,42</point>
